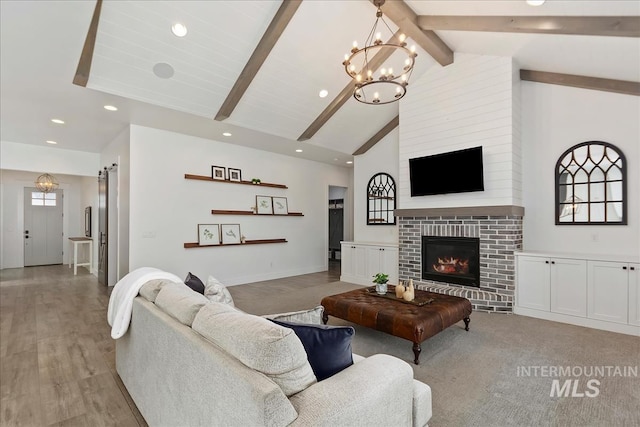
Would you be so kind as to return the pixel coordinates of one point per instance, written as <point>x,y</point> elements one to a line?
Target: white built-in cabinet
<point>553,284</point>
<point>362,260</point>
<point>612,288</point>
<point>581,290</point>
<point>568,286</point>
<point>534,283</point>
<point>634,294</point>
<point>354,260</point>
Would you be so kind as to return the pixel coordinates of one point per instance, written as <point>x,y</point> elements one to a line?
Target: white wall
<point>165,208</point>
<point>336,193</point>
<point>36,158</point>
<point>118,152</point>
<point>382,157</point>
<point>466,104</point>
<point>12,218</point>
<point>555,118</point>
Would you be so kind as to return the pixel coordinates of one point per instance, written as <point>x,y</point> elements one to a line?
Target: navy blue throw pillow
<point>328,347</point>
<point>194,283</point>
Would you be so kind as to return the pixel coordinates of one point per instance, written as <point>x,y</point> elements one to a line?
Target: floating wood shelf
<point>208,178</point>
<point>247,242</point>
<point>230,212</point>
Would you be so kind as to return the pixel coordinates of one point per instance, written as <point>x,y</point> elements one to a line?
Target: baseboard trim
<point>354,280</point>
<point>579,321</point>
<point>271,276</point>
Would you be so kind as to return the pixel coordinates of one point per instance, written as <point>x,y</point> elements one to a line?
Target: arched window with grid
<point>591,185</point>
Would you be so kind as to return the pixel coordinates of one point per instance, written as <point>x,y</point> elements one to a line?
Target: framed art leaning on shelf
<point>218,172</point>
<point>280,206</point>
<point>208,234</point>
<point>234,174</point>
<point>264,205</point>
<point>231,234</point>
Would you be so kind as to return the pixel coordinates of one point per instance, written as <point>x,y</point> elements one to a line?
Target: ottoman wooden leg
<point>416,351</point>
<point>466,323</point>
<point>325,318</point>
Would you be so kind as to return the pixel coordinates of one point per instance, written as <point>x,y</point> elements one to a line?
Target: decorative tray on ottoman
<point>391,294</point>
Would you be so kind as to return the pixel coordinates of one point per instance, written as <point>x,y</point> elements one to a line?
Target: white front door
<point>42,227</point>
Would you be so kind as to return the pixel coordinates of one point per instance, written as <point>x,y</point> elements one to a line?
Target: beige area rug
<point>498,373</point>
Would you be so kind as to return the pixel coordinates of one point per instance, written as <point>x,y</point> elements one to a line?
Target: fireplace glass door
<point>451,260</point>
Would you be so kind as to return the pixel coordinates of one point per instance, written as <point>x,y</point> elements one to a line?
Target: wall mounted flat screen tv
<point>453,172</point>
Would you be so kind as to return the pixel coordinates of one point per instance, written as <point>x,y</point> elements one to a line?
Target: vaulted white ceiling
<point>41,43</point>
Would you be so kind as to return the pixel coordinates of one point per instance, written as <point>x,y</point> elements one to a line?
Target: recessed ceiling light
<point>51,142</point>
<point>226,133</point>
<point>323,93</point>
<point>535,2</point>
<point>349,162</point>
<point>179,30</point>
<point>110,108</point>
<point>58,121</point>
<point>298,151</point>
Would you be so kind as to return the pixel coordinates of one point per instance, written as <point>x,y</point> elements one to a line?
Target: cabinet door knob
<point>553,262</point>
<point>624,267</point>
<point>632,268</point>
<point>546,262</point>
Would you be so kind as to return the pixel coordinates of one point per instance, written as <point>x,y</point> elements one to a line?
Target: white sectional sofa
<point>187,361</point>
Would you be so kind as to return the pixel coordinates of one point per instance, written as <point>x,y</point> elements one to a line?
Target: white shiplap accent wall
<point>516,137</point>
<point>463,105</point>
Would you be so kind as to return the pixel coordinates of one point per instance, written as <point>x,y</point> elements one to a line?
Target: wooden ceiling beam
<point>277,26</point>
<point>378,136</point>
<point>615,26</point>
<point>583,82</point>
<point>81,78</point>
<point>407,20</point>
<point>343,96</point>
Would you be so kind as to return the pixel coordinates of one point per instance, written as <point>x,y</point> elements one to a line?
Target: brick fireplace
<point>499,230</point>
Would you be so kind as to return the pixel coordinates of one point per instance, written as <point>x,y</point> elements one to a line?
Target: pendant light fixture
<point>388,84</point>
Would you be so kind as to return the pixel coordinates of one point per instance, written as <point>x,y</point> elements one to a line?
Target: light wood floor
<point>57,358</point>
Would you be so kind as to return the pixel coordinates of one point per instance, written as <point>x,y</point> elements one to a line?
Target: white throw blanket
<point>123,294</point>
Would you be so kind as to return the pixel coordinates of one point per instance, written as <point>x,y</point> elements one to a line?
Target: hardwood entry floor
<point>57,358</point>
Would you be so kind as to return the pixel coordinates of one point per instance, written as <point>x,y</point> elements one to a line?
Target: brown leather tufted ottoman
<point>408,321</point>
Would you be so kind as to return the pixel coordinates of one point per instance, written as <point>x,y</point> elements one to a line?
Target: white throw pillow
<point>217,292</point>
<point>309,317</point>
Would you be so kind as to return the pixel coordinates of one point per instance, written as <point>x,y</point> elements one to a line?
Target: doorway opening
<point>336,225</point>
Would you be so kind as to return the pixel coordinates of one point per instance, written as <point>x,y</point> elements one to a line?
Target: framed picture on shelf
<point>234,175</point>
<point>208,234</point>
<point>280,206</point>
<point>264,205</point>
<point>218,172</point>
<point>231,234</point>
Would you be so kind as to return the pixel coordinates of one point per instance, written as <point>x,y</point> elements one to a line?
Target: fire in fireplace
<point>451,260</point>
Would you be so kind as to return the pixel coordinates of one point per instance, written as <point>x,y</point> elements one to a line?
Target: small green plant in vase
<point>381,280</point>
